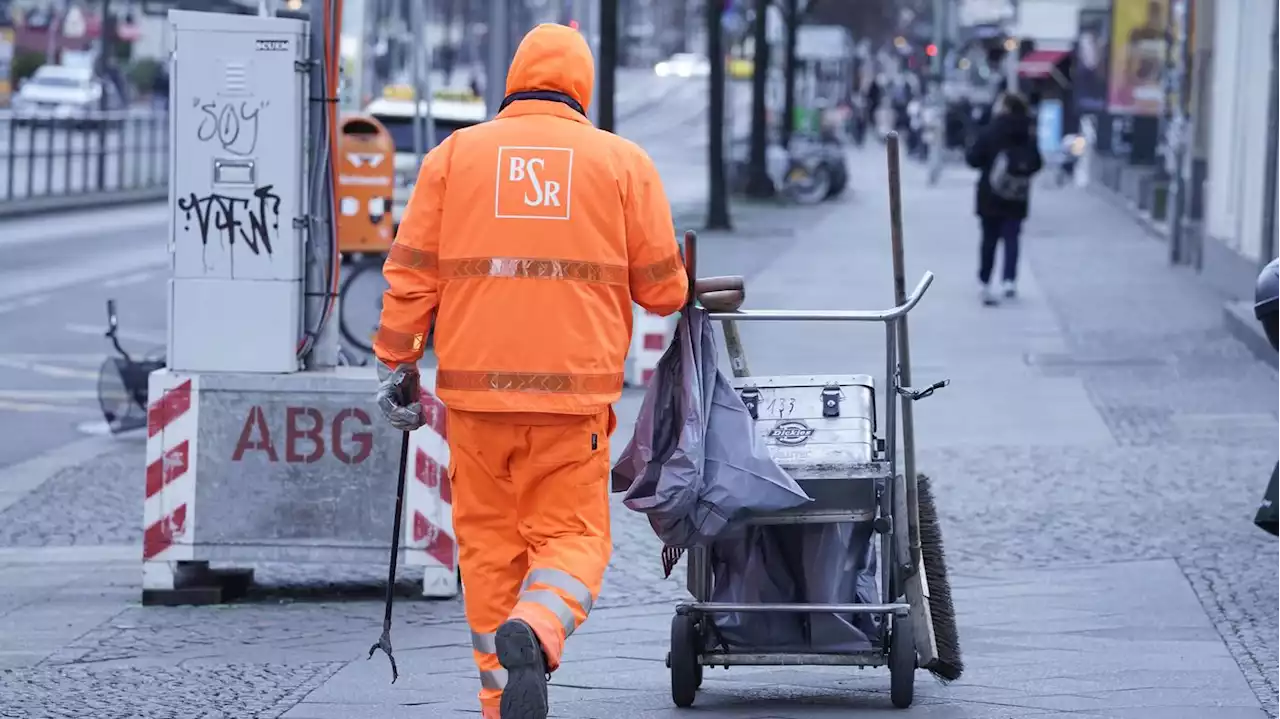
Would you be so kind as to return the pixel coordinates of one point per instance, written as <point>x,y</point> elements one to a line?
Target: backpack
<point>1011,172</point>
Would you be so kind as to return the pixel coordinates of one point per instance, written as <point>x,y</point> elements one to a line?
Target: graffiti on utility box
<point>233,219</point>
<point>235,127</point>
<point>306,436</point>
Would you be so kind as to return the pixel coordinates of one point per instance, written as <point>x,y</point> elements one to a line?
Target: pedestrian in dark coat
<point>1007,158</point>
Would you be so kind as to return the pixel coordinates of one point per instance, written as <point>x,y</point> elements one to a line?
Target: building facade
<point>1239,191</point>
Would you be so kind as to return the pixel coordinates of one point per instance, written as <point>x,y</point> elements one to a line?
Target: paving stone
<point>207,692</point>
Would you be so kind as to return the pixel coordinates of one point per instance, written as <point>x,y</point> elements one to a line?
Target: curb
<point>30,206</point>
<point>1157,230</point>
<point>1240,322</point>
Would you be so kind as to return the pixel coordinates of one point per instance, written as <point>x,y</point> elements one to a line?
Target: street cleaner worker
<point>528,237</point>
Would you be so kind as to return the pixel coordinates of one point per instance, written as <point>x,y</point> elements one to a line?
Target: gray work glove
<point>398,397</point>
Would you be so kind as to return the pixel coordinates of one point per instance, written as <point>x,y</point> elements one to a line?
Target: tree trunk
<point>758,183</point>
<point>717,192</point>
<point>789,87</point>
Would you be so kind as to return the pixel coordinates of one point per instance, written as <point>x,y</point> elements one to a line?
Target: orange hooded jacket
<point>529,237</point>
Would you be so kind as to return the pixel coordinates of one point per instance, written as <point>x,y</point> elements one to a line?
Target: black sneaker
<point>520,653</point>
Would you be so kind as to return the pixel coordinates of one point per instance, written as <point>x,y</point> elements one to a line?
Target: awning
<point>1040,64</point>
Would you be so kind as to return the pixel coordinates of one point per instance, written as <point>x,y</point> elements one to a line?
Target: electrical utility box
<point>237,191</point>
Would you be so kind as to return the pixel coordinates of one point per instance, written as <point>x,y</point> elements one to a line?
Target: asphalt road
<point>43,161</point>
<point>57,272</point>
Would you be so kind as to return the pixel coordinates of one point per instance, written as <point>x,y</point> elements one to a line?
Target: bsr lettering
<point>546,193</point>
<point>348,436</point>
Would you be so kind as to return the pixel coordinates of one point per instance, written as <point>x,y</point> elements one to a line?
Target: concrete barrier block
<point>294,468</point>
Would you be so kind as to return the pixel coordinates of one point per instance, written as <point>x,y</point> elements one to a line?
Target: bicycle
<point>122,381</point>
<point>358,331</point>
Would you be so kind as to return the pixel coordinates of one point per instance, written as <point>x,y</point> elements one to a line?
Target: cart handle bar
<point>834,315</point>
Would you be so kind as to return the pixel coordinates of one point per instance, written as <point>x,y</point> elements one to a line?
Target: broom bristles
<point>949,665</point>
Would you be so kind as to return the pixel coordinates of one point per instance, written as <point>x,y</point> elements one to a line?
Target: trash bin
<point>366,177</point>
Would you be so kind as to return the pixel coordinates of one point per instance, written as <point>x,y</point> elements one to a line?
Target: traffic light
<point>931,50</point>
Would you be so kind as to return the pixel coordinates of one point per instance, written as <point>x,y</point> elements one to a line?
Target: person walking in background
<point>871,105</point>
<point>1007,158</point>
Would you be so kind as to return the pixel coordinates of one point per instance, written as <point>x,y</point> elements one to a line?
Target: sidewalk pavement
<point>1098,456</point>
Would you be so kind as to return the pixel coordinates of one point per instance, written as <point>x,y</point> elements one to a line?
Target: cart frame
<point>907,632</point>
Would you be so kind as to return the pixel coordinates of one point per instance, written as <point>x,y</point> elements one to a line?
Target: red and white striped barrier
<point>428,536</point>
<point>650,335</point>
<point>169,509</point>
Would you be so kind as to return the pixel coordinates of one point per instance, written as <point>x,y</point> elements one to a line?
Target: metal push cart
<point>850,469</point>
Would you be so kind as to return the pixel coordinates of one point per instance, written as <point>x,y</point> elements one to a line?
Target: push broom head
<point>949,665</point>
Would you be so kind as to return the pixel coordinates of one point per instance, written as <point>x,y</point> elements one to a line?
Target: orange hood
<point>553,57</point>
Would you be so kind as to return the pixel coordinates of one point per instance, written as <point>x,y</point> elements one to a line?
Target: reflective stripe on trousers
<point>554,601</point>
<point>486,644</point>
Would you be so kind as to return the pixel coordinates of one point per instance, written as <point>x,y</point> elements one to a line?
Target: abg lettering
<point>349,437</point>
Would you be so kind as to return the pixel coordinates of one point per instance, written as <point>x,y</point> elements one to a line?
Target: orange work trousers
<point>531,515</point>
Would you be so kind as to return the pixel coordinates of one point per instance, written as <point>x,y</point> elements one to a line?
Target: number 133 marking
<point>781,406</point>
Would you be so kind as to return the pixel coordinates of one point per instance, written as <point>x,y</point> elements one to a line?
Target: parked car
<point>683,64</point>
<point>61,94</point>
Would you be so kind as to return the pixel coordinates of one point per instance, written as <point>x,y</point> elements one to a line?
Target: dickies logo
<point>533,183</point>
<point>791,433</point>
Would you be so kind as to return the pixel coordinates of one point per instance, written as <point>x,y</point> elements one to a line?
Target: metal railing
<point>53,161</point>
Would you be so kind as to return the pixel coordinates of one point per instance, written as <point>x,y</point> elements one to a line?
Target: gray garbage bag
<point>751,568</point>
<point>837,565</point>
<point>820,564</point>
<point>694,464</point>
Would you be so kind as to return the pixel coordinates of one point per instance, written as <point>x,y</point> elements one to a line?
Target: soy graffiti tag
<point>250,221</point>
<point>232,123</point>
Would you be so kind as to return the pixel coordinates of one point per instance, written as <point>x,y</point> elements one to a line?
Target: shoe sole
<point>518,650</point>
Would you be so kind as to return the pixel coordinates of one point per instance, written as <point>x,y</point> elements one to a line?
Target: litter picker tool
<point>928,591</point>
<point>408,395</point>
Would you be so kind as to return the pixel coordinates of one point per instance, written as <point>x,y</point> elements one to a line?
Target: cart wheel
<point>686,673</point>
<point>902,663</point>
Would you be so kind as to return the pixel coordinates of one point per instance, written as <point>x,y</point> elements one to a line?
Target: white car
<point>683,64</point>
<point>58,93</point>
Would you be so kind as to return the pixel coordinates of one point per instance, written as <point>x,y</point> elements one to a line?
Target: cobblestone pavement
<point>1103,417</point>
